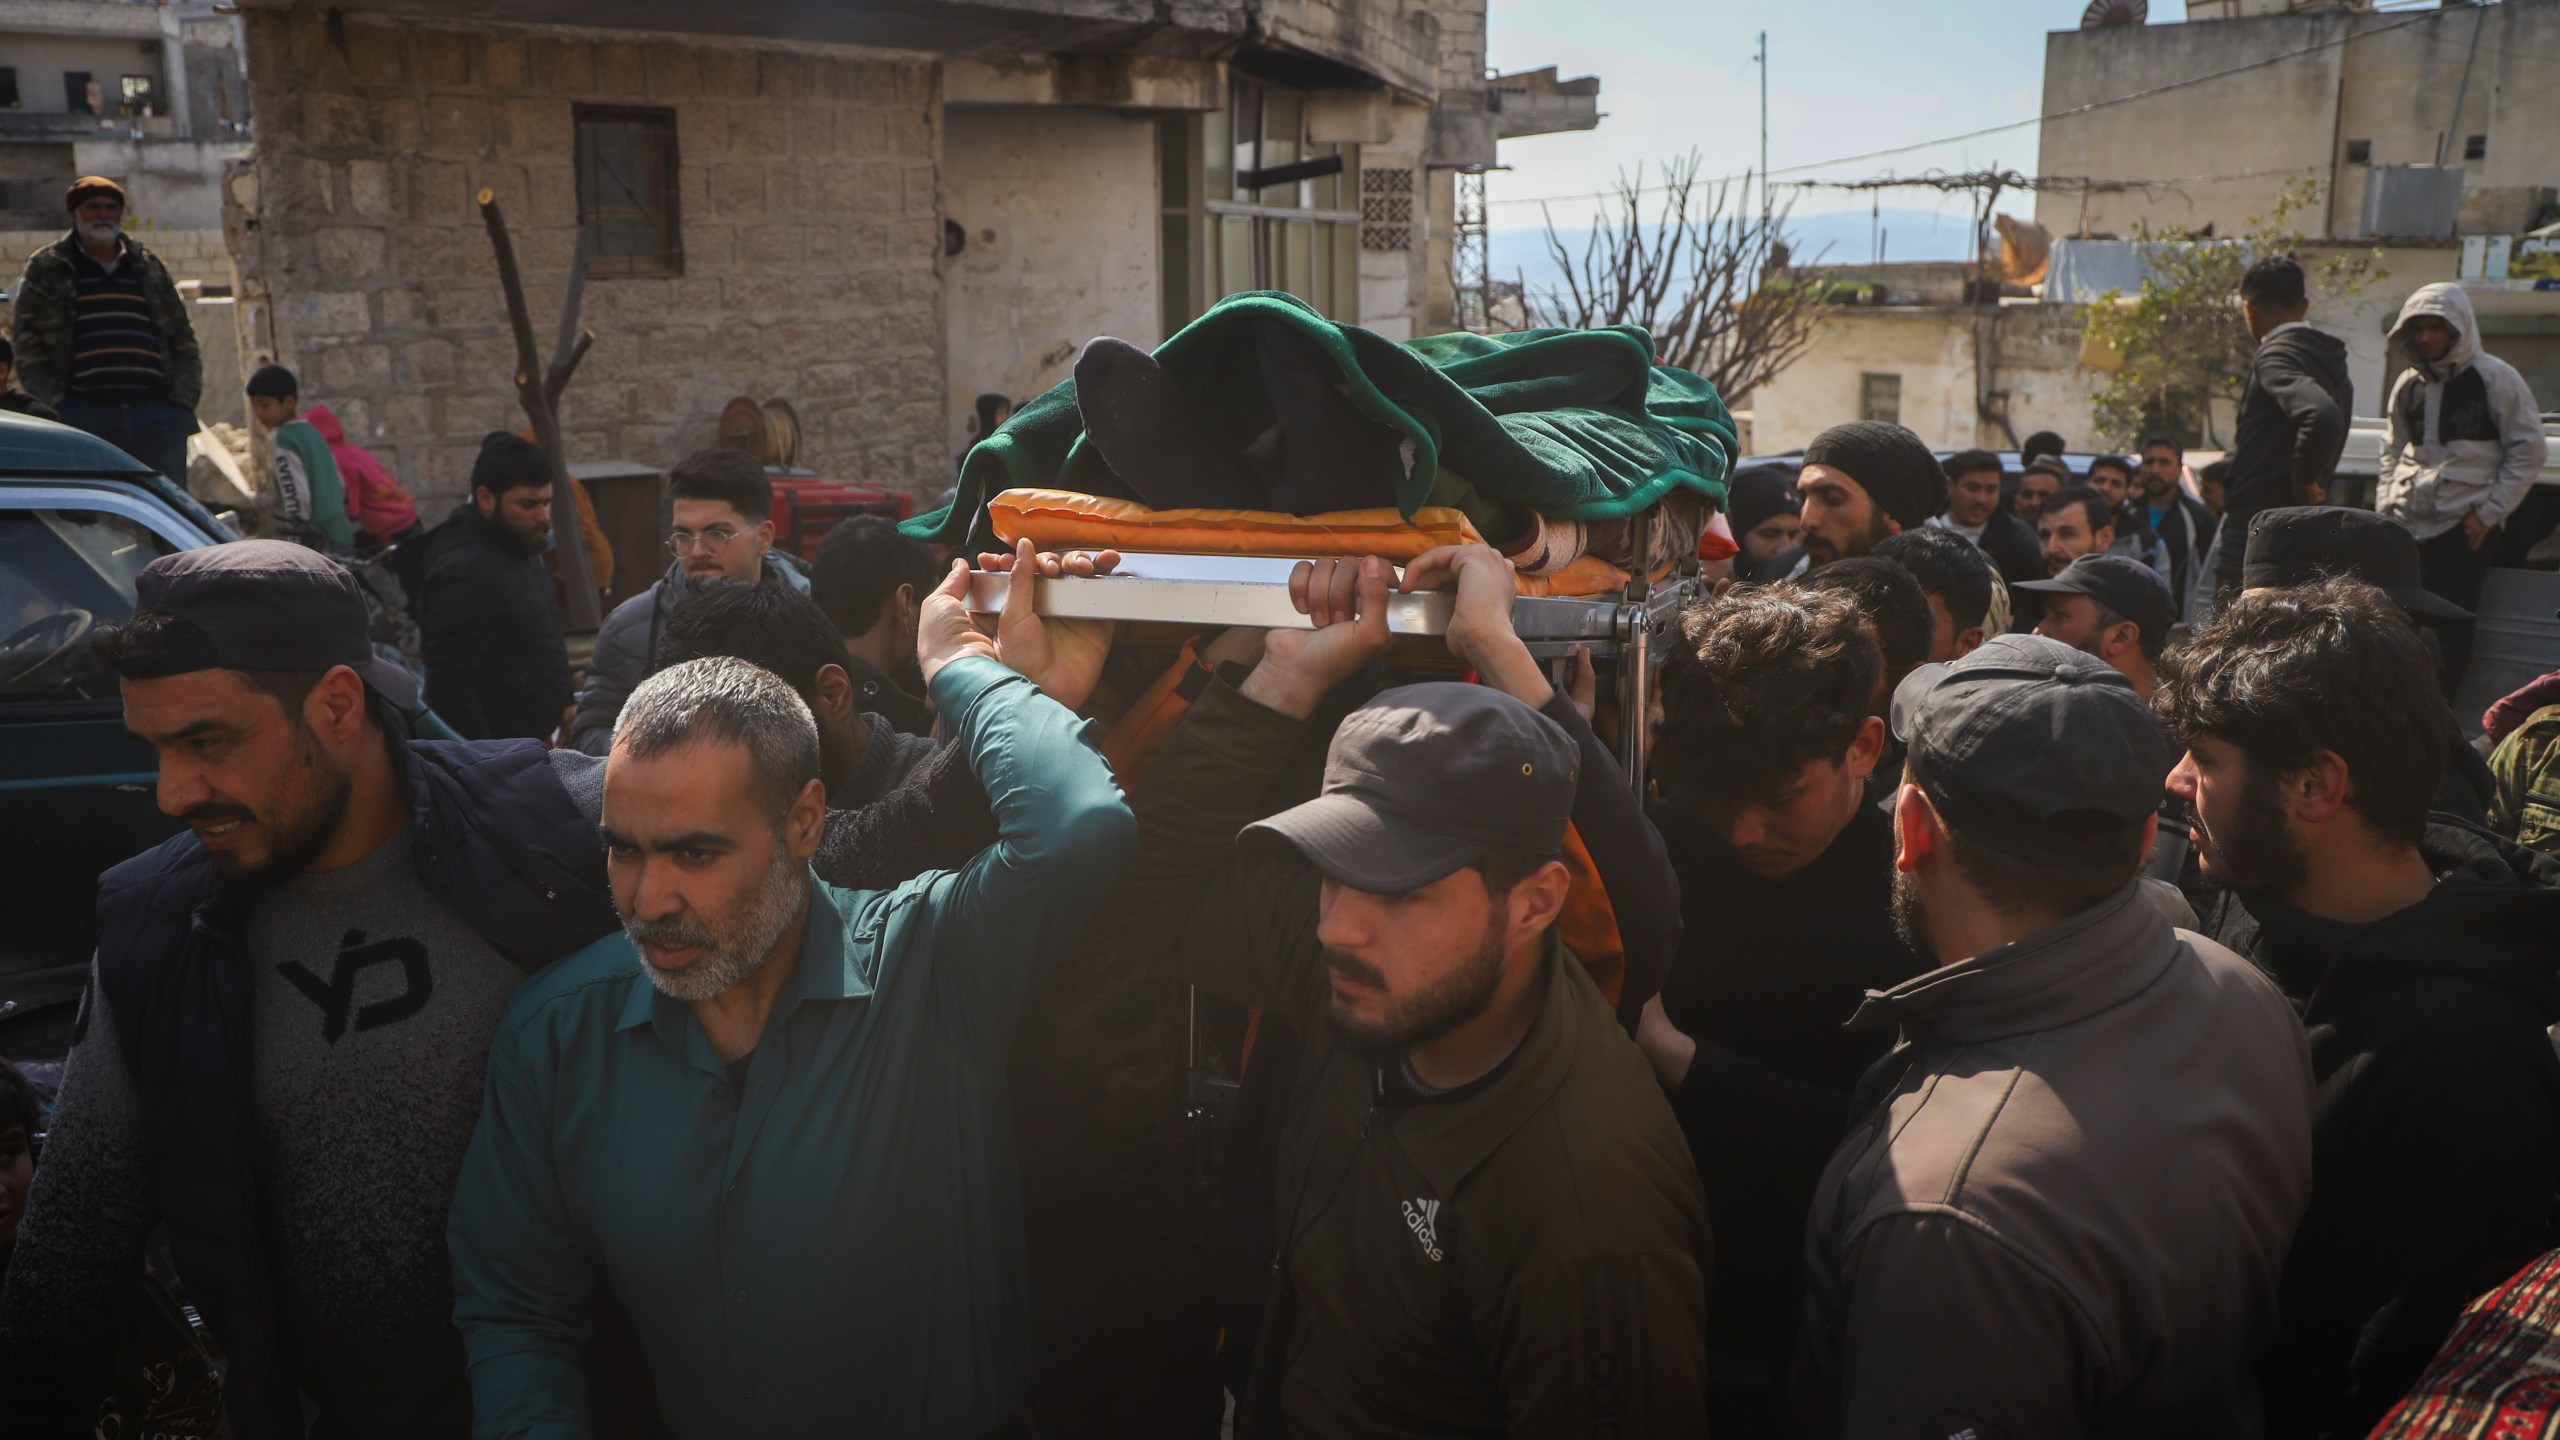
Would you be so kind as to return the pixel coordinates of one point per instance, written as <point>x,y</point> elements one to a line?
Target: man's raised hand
<point>1480,633</point>
<point>1347,600</point>
<point>944,632</point>
<point>1063,657</point>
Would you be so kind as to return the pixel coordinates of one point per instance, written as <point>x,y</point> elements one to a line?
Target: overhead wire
<point>2063,114</point>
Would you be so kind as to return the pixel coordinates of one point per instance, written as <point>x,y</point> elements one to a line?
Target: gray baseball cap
<point>1425,779</point>
<point>2122,584</point>
<point>2032,749</point>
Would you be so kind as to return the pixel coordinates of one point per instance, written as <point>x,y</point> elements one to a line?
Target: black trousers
<point>2449,567</point>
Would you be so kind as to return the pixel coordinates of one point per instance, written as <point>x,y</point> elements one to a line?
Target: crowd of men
<point>2051,988</point>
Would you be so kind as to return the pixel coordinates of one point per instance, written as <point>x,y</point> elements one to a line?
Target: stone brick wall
<point>810,227</point>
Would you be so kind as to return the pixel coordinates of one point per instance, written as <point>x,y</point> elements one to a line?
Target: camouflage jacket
<point>2526,807</point>
<point>40,326</point>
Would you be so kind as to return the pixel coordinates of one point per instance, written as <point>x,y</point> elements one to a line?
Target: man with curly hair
<point>1770,733</point>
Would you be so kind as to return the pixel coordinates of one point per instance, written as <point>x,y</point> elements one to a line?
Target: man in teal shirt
<point>775,1115</point>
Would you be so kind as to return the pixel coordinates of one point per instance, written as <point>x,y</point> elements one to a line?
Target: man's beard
<point>1911,918</point>
<point>305,821</point>
<point>521,542</point>
<point>2256,852</point>
<point>1455,999</point>
<point>1824,550</point>
<point>101,233</point>
<point>780,899</point>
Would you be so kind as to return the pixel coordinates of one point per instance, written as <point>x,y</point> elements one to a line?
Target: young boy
<point>311,498</point>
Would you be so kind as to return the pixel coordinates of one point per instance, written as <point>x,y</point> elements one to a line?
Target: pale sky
<point>1845,76</point>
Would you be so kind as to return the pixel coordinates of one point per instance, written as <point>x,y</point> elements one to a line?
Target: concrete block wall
<point>811,240</point>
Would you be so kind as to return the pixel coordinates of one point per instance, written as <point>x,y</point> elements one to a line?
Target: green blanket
<point>1575,424</point>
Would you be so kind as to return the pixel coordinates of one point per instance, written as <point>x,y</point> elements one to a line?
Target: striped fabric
<point>116,351</point>
<point>2498,1375</point>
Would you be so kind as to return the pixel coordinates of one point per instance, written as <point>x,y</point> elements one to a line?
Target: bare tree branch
<point>1714,286</point>
<point>577,576</point>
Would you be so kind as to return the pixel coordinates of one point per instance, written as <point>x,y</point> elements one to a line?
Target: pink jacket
<point>375,501</point>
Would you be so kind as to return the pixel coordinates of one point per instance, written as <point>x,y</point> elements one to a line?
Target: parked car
<point>78,521</point>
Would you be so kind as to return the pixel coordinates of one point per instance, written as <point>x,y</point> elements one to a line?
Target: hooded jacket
<point>2436,1126</point>
<point>627,647</point>
<point>375,501</point>
<point>2462,435</point>
<point>2291,429</point>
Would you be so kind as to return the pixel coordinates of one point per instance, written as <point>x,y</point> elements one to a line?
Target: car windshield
<point>63,573</point>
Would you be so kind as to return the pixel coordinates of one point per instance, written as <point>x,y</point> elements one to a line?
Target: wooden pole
<point>537,390</point>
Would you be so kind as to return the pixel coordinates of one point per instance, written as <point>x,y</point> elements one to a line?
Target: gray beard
<point>761,923</point>
<point>101,235</point>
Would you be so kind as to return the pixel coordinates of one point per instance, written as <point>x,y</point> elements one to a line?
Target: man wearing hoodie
<point>2461,445</point>
<point>2293,416</point>
<point>377,503</point>
<point>722,505</point>
<point>2418,952</point>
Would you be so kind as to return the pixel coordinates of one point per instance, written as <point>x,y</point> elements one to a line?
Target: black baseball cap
<point>2032,749</point>
<point>267,605</point>
<point>2297,544</point>
<point>1425,779</point>
<point>2122,584</point>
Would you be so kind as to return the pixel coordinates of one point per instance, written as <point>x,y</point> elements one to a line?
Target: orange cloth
<point>599,549</point>
<point>1063,520</point>
<point>1589,923</point>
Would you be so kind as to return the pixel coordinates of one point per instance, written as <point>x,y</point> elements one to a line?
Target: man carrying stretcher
<point>1486,1220</point>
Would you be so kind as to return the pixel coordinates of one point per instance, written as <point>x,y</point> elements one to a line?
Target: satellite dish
<point>2106,14</point>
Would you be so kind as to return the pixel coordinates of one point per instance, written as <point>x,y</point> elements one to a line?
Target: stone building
<point>2220,114</point>
<point>149,93</point>
<point>877,212</point>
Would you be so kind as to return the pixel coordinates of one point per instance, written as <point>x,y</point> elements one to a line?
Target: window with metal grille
<point>627,182</point>
<point>1386,209</point>
<point>2475,147</point>
<point>138,95</point>
<point>2359,152</point>
<point>1880,398</point>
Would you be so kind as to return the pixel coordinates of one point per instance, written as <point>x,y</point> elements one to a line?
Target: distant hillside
<point>1910,234</point>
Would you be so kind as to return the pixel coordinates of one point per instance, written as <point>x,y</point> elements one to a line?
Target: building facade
<point>2196,129</point>
<point>877,212</point>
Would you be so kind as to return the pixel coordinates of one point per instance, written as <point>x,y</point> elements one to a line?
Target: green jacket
<point>833,1244</point>
<point>2526,765</point>
<point>307,487</point>
<point>1528,1259</point>
<point>40,323</point>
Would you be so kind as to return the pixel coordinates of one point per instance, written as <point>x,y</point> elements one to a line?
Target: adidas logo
<point>1422,1217</point>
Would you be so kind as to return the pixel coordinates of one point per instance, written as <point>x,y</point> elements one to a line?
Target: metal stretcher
<point>1204,590</point>
<point>1251,590</point>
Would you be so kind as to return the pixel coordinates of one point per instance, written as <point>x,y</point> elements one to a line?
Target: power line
<point>2094,105</point>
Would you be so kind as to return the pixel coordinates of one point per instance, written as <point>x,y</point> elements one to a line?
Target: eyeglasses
<point>712,541</point>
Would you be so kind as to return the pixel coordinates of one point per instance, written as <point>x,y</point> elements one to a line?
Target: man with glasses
<point>723,534</point>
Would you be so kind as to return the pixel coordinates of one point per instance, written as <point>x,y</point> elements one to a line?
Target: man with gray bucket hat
<point>2064,1200</point>
<point>1486,1220</point>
